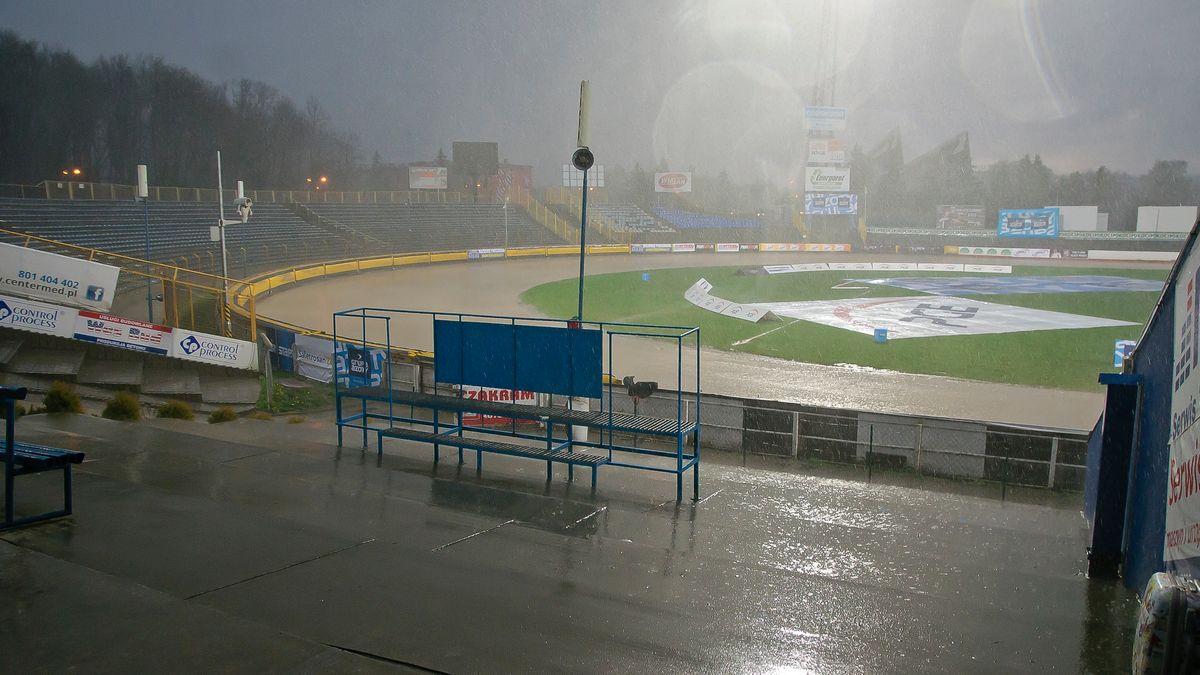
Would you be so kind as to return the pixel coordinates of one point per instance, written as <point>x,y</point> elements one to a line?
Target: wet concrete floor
<point>256,545</point>
<point>494,287</point>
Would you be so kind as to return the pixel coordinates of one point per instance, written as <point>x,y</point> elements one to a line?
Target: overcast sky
<point>710,85</point>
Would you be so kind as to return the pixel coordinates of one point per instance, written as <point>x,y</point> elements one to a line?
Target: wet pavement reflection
<point>267,524</point>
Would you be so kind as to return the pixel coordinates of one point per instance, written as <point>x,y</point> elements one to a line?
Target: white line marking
<point>742,342</point>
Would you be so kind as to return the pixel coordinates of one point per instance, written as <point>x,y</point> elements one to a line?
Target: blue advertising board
<point>358,366</point>
<point>1041,223</point>
<point>830,203</point>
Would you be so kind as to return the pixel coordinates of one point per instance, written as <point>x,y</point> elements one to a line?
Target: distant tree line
<point>893,193</point>
<point>107,117</point>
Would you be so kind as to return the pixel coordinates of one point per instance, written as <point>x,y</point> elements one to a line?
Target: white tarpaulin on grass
<point>698,296</point>
<point>909,317</point>
<point>930,316</point>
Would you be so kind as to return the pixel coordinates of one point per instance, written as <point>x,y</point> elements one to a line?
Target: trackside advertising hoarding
<point>1181,547</point>
<point>37,317</point>
<point>826,151</point>
<point>57,278</point>
<point>117,331</point>
<point>222,351</point>
<point>427,178</point>
<point>673,181</point>
<point>826,179</point>
<point>822,118</point>
<point>517,397</point>
<point>1028,223</point>
<point>830,203</point>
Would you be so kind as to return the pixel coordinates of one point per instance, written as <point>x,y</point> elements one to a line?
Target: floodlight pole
<point>582,242</point>
<point>143,189</point>
<point>226,321</point>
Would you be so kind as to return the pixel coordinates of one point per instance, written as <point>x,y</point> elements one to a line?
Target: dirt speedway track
<point>494,287</point>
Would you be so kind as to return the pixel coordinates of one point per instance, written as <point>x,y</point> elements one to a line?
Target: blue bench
<point>26,458</point>
<point>554,357</point>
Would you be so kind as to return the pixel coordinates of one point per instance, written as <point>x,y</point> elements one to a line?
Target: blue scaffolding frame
<point>354,412</point>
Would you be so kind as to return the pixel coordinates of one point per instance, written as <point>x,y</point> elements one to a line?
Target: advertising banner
<point>313,357</point>
<point>485,253</point>
<point>728,248</point>
<point>57,278</point>
<point>826,151</point>
<point>940,267</point>
<point>778,269</point>
<point>779,247</point>
<point>826,179</point>
<point>824,248</point>
<point>650,248</point>
<point>955,217</point>
<point>822,118</point>
<point>1042,223</point>
<point>1002,252</point>
<point>802,267</point>
<point>698,295</point>
<point>221,351</point>
<point>892,266</point>
<point>683,248</point>
<point>673,181</point>
<point>37,317</point>
<point>1182,541</point>
<point>427,178</point>
<point>822,203</point>
<point>284,341</point>
<point>501,395</point>
<point>989,269</point>
<point>117,331</point>
<point>358,366</point>
<point>850,266</point>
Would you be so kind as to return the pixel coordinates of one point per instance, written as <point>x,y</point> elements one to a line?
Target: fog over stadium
<point>391,335</point>
<point>707,85</point>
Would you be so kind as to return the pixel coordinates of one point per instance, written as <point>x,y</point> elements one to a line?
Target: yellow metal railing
<point>87,191</point>
<point>190,299</point>
<point>573,200</point>
<point>245,292</point>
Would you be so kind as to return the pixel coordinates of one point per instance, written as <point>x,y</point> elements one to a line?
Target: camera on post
<point>244,205</point>
<point>583,159</point>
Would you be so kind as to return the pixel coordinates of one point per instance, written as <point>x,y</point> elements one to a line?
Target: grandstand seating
<point>439,227</point>
<point>686,220</point>
<point>629,218</point>
<point>276,235</point>
<point>177,229</point>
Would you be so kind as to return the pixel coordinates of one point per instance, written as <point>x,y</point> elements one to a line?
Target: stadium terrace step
<point>171,381</point>
<point>9,348</point>
<point>56,362</point>
<point>236,389</point>
<point>111,372</point>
